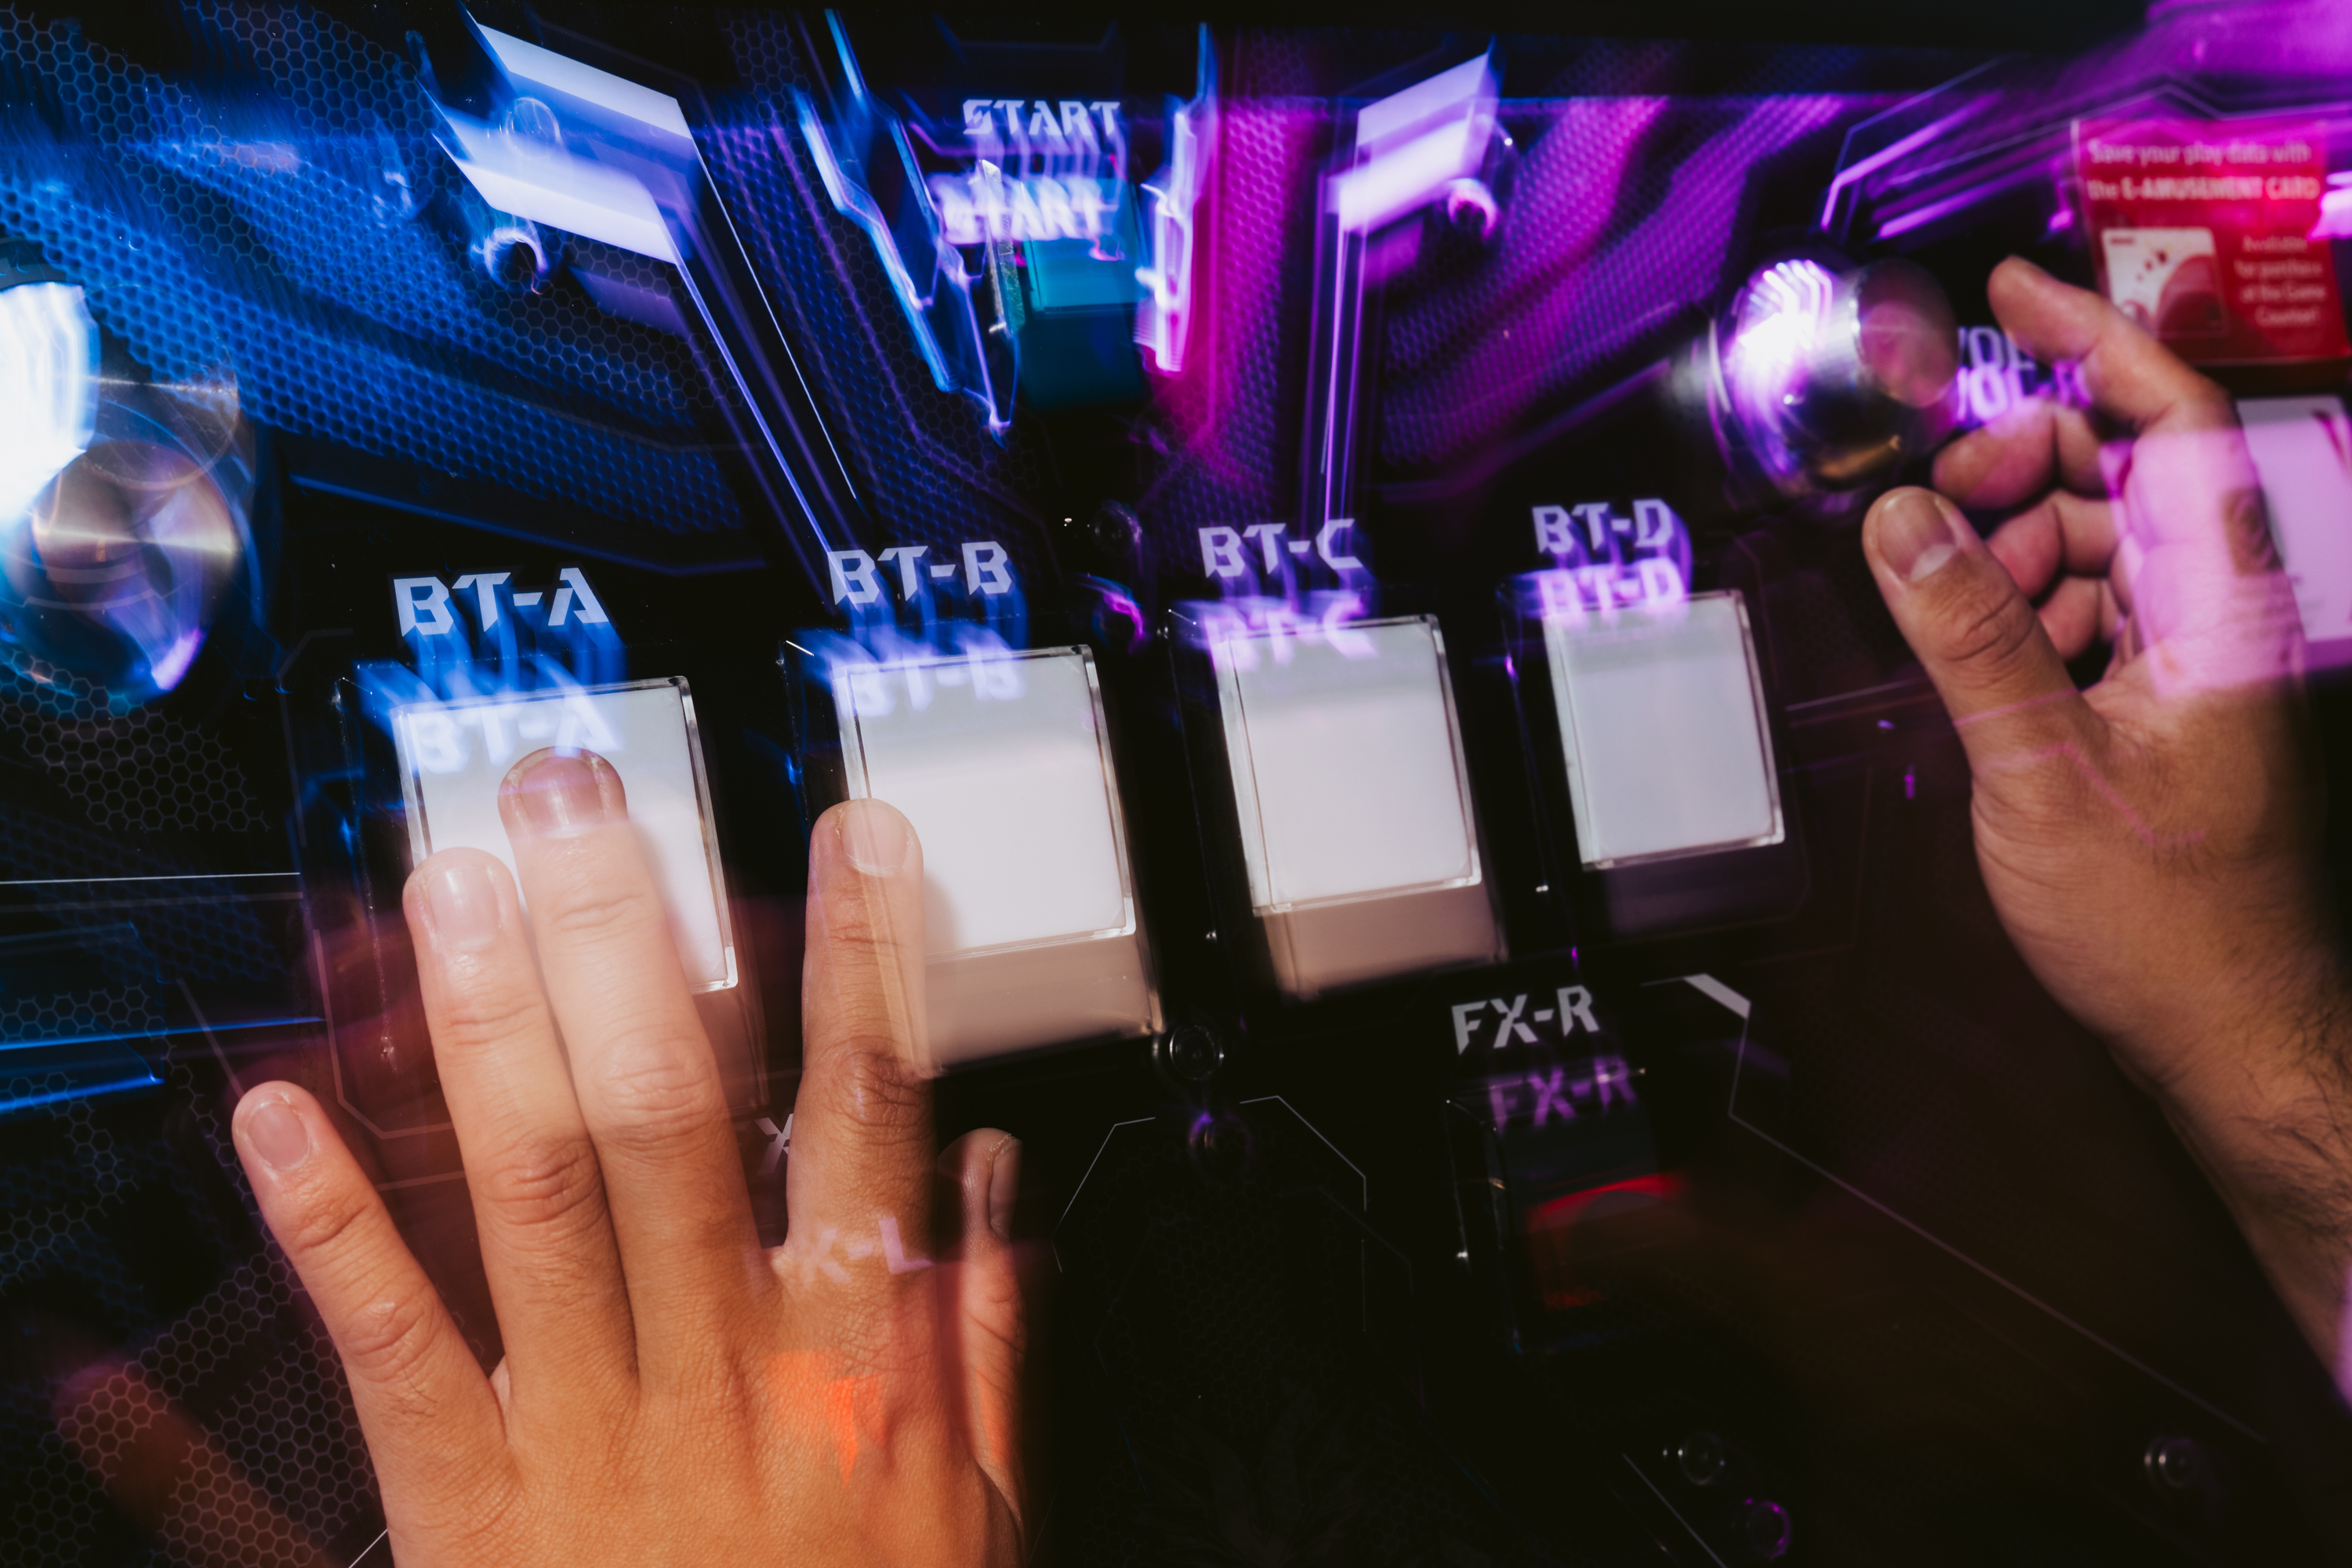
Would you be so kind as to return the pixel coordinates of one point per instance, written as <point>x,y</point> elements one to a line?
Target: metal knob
<point>1823,381</point>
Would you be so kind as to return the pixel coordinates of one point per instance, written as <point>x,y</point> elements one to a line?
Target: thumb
<point>986,1321</point>
<point>2004,685</point>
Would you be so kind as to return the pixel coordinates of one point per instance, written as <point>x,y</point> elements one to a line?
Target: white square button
<point>1662,721</point>
<point>453,756</point>
<point>1357,833</point>
<point>1001,762</point>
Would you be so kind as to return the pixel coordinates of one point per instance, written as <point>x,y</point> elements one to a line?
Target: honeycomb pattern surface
<point>135,769</point>
<point>926,454</point>
<point>1232,417</point>
<point>52,1216</point>
<point>109,1010</point>
<point>1261,1429</point>
<point>233,1395</point>
<point>206,931</point>
<point>1627,214</point>
<point>291,235</point>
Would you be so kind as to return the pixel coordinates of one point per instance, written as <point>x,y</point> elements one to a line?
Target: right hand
<point>2151,843</point>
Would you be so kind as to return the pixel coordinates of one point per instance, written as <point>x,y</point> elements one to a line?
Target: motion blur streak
<point>48,388</point>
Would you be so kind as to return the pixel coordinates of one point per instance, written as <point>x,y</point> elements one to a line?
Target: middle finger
<point>649,1086</point>
<point>2038,443</point>
<point>863,1154</point>
<point>2062,532</point>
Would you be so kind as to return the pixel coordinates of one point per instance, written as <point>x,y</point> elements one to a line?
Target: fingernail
<point>461,900</point>
<point>873,837</point>
<point>1003,1186</point>
<point>555,791</point>
<point>278,1134</point>
<point>1918,534</point>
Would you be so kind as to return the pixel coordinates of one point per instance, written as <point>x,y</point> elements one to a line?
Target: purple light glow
<point>1783,314</point>
<point>1563,1094</point>
<point>1887,154</point>
<point>1415,146</point>
<point>1997,375</point>
<point>1163,318</point>
<point>1233,629</point>
<point>1572,596</point>
<point>2334,209</point>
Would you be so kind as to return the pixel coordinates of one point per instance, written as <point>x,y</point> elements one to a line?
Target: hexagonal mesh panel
<point>157,1428</point>
<point>138,769</point>
<point>294,237</point>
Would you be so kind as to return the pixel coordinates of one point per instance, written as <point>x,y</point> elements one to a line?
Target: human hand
<point>2151,842</point>
<point>670,1394</point>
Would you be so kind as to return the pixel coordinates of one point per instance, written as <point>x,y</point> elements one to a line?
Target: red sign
<point>2201,233</point>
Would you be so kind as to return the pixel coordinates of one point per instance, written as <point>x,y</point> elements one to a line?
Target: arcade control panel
<point>1343,541</point>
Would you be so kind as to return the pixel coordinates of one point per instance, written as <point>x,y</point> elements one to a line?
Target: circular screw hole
<point>1192,1053</point>
<point>1223,1147</point>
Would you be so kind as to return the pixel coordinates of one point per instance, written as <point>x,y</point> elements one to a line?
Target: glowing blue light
<point>524,166</point>
<point>48,388</point>
<point>918,253</point>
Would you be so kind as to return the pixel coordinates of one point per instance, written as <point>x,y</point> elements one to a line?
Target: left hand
<point>670,1393</point>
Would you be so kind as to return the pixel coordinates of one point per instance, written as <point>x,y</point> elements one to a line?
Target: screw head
<point>1116,530</point>
<point>2175,1464</point>
<point>1764,1529</point>
<point>1700,1457</point>
<point>1194,1053</point>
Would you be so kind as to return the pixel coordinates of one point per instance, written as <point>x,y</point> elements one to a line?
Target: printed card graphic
<point>2164,279</point>
<point>2202,231</point>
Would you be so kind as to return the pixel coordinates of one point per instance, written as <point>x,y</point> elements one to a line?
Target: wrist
<point>2265,1107</point>
<point>2264,1027</point>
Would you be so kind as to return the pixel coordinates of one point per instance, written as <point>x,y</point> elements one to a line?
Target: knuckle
<point>2246,527</point>
<point>590,913</point>
<point>326,1225</point>
<point>547,1183</point>
<point>1991,628</point>
<point>387,1342</point>
<point>481,1011</point>
<point>871,1084</point>
<point>859,923</point>
<point>658,1088</point>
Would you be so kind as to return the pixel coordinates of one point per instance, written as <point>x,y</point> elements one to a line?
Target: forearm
<point>2272,1125</point>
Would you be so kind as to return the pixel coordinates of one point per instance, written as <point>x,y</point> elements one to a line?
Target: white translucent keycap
<point>1357,832</point>
<point>453,756</point>
<point>1000,760</point>
<point>1662,721</point>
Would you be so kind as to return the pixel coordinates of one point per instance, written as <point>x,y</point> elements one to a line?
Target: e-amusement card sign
<point>2201,234</point>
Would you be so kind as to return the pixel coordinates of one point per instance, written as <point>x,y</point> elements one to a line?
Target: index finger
<point>860,1181</point>
<point>2128,374</point>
